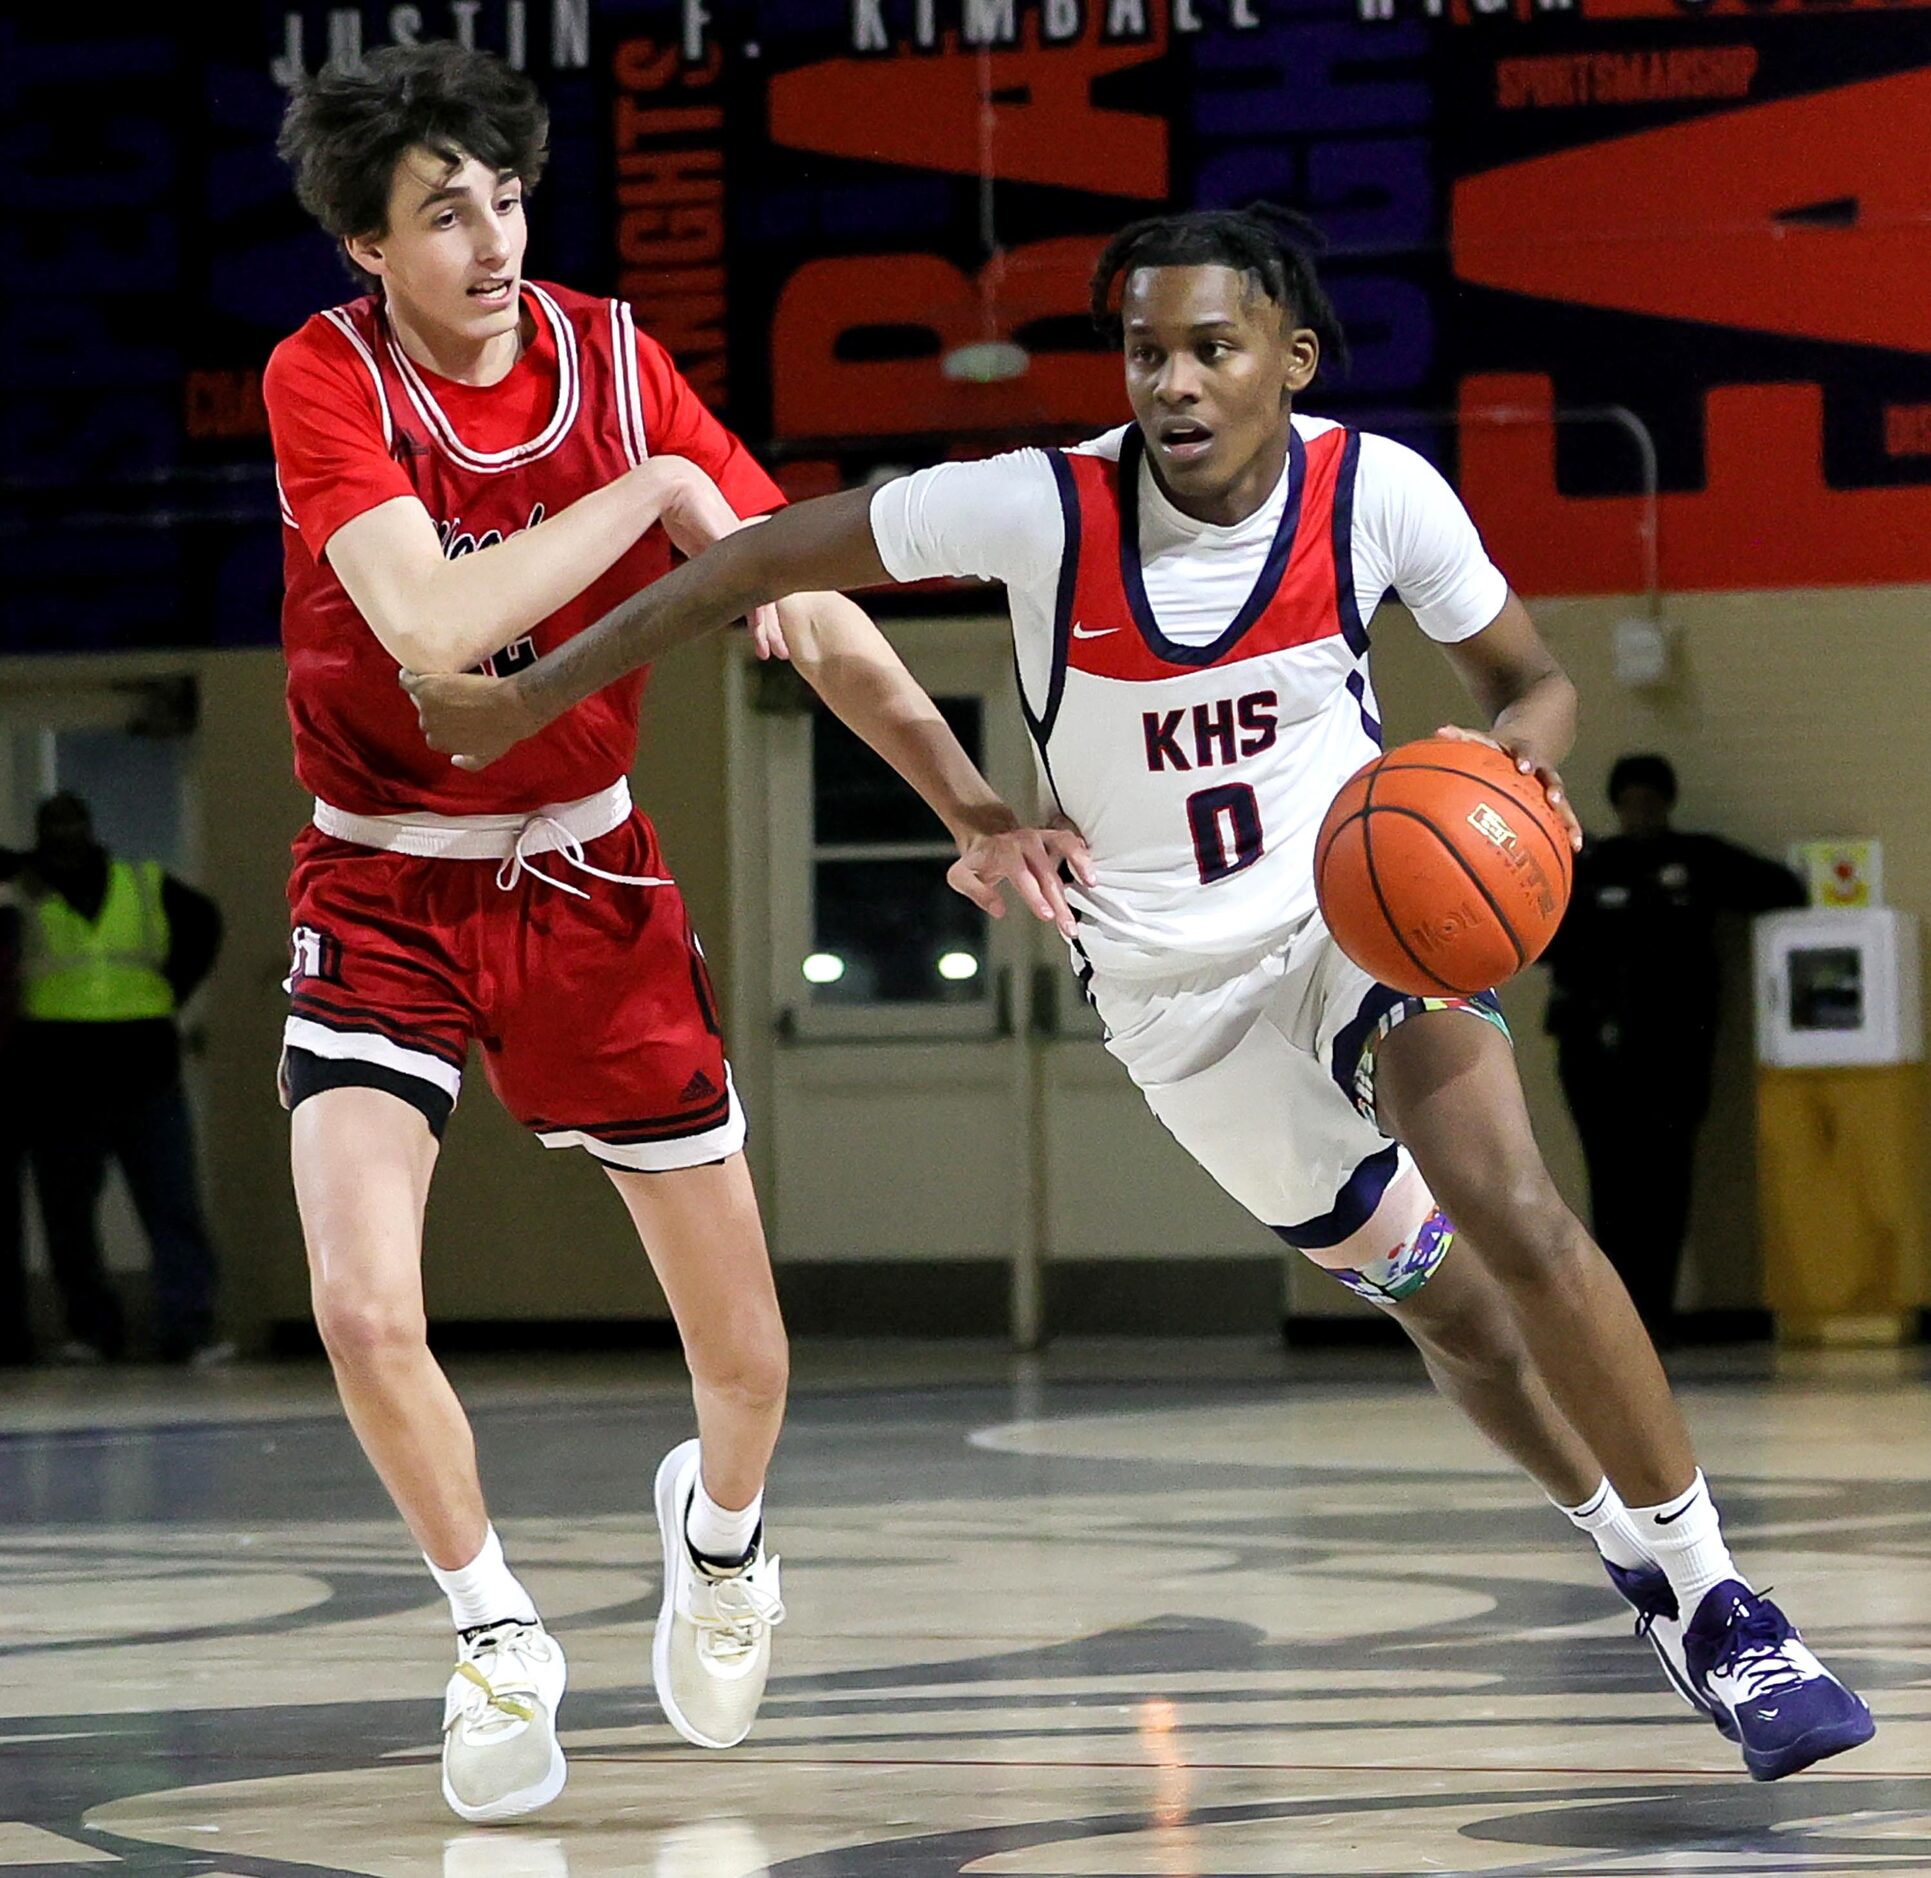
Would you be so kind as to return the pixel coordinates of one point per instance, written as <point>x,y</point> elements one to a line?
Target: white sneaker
<point>712,1649</point>
<point>500,1753</point>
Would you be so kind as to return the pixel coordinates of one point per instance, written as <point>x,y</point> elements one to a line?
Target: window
<point>885,928</point>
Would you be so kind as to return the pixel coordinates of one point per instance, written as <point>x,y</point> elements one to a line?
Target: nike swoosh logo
<point>1670,1519</point>
<point>1093,632</point>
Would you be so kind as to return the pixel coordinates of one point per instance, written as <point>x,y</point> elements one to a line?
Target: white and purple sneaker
<point>1647,1592</point>
<point>1745,1656</point>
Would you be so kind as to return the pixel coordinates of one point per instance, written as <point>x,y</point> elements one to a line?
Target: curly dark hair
<point>347,127</point>
<point>1273,247</point>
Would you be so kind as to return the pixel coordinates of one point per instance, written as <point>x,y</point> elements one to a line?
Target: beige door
<point>933,1083</point>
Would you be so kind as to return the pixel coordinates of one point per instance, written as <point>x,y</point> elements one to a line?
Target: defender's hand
<point>1028,857</point>
<point>1525,759</point>
<point>695,516</point>
<point>472,719</point>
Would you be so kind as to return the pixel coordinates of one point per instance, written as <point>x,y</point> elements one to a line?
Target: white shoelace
<point>502,1685</point>
<point>566,844</point>
<point>742,1610</point>
<point>1763,1672</point>
<point>1757,1661</point>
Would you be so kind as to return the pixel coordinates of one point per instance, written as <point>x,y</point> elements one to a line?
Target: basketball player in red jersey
<point>1190,596</point>
<point>472,468</point>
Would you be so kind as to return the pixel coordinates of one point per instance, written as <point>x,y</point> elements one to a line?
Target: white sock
<point>719,1532</point>
<point>485,1591</point>
<point>1605,1518</point>
<point>1685,1537</point>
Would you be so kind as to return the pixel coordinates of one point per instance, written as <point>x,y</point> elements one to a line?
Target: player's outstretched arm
<point>812,547</point>
<point>1530,700</point>
<point>852,666</point>
<point>438,615</point>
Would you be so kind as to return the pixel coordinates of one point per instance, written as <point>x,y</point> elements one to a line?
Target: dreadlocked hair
<point>1272,246</point>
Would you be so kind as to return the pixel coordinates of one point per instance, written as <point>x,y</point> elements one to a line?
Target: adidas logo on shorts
<point>700,1088</point>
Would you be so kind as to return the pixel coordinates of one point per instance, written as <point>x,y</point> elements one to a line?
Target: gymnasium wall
<point>513,1229</point>
<point>1607,261</point>
<point>1791,714</point>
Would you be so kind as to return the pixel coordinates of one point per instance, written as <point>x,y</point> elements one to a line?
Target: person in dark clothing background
<point>107,952</point>
<point>16,1338</point>
<point>1633,1008</point>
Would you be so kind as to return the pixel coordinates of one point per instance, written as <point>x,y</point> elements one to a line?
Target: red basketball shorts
<point>594,1014</point>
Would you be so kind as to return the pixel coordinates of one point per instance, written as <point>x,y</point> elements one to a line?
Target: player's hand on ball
<point>1529,764</point>
<point>471,719</point>
<point>1030,858</point>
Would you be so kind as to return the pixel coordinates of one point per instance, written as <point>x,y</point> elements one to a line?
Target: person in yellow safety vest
<point>16,1339</point>
<point>107,951</point>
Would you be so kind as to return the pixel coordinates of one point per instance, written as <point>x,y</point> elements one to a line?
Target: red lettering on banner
<point>668,176</point>
<point>1566,80</point>
<point>1764,517</point>
<point>644,65</point>
<point>670,234</point>
<point>670,207</point>
<point>817,394</point>
<point>1907,429</point>
<point>1802,217</point>
<point>634,125</point>
<point>925,110</point>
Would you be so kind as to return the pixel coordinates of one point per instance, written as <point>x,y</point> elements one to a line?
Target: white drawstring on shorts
<point>561,841</point>
<point>509,840</point>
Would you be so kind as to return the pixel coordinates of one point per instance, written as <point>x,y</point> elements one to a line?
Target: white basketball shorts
<point>1262,1068</point>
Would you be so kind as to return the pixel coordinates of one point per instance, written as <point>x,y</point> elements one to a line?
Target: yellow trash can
<point>1840,1195</point>
<point>1840,1120</point>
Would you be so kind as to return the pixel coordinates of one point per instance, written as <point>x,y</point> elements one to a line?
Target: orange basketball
<point>1442,868</point>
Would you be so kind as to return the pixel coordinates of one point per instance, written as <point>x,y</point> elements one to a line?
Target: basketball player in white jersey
<point>1189,597</point>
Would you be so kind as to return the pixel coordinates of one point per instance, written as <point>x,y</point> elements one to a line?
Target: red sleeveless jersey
<point>356,422</point>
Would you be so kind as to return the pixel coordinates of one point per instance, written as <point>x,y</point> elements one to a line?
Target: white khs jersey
<point>1199,774</point>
